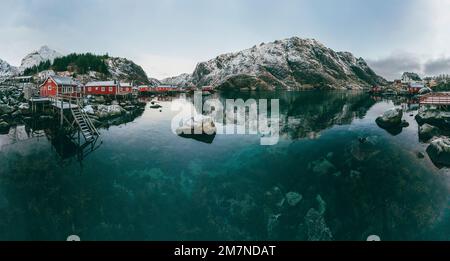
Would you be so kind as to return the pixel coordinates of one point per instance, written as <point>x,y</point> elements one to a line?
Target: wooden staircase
<point>85,124</point>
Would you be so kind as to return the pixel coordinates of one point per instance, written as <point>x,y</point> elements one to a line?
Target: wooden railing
<point>438,98</point>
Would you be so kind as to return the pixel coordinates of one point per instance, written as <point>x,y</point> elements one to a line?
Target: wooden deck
<point>438,98</point>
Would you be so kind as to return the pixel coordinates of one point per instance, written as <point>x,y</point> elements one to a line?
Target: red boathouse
<point>125,88</point>
<point>165,88</point>
<point>58,85</point>
<point>101,88</point>
<point>144,89</point>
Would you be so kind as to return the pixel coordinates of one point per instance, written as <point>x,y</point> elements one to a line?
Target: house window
<point>89,89</point>
<point>49,88</point>
<point>103,89</point>
<point>96,88</point>
<point>110,89</point>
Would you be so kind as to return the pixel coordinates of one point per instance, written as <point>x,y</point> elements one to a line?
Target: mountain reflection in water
<point>334,175</point>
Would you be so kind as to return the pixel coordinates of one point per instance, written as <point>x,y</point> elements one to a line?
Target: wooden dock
<point>437,98</point>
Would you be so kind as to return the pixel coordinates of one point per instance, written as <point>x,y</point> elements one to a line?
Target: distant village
<point>411,84</point>
<point>51,84</point>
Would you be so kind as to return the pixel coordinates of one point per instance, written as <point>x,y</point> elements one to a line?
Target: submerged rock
<point>365,150</point>
<point>439,151</point>
<point>323,167</point>
<point>316,227</point>
<point>427,132</point>
<point>273,226</point>
<point>390,119</point>
<point>293,198</point>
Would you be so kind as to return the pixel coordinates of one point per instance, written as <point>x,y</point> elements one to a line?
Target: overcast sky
<point>169,37</point>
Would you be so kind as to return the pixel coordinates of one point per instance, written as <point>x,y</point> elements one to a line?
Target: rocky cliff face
<point>126,70</point>
<point>6,70</point>
<point>292,63</point>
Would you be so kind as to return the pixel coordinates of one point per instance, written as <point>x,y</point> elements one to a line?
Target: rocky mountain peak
<point>43,54</point>
<point>291,63</point>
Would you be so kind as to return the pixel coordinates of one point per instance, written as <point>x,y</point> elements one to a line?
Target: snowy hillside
<point>6,70</point>
<point>286,64</point>
<point>35,58</point>
<point>182,80</point>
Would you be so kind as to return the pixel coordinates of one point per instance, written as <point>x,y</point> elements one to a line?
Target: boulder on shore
<point>5,109</point>
<point>434,117</point>
<point>390,119</point>
<point>427,132</point>
<point>205,124</point>
<point>109,111</point>
<point>439,151</point>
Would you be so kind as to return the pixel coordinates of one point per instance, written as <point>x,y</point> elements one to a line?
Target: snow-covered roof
<point>167,86</point>
<point>62,80</point>
<point>416,85</point>
<point>101,84</point>
<point>125,84</point>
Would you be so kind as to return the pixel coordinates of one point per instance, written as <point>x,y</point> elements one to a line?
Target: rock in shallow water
<point>439,151</point>
<point>111,111</point>
<point>434,117</point>
<point>323,167</point>
<point>391,118</point>
<point>427,132</point>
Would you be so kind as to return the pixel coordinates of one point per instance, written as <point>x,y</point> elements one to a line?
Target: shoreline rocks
<point>439,151</point>
<point>427,132</point>
<point>434,117</point>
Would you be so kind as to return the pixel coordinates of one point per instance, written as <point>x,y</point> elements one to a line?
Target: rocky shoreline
<point>15,110</point>
<point>434,129</point>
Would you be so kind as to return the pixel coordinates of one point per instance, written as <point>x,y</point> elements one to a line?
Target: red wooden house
<point>101,88</point>
<point>125,88</point>
<point>415,87</point>
<point>144,89</point>
<point>208,88</point>
<point>57,85</point>
<point>165,88</point>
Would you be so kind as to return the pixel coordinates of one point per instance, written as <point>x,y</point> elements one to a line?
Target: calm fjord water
<point>145,183</point>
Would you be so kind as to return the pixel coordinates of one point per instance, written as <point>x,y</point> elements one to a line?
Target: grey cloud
<point>393,66</point>
<point>438,66</point>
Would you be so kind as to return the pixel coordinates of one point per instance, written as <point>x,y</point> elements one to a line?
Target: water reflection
<point>335,175</point>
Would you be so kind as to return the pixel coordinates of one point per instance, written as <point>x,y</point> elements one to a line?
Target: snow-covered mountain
<point>7,70</point>
<point>35,58</point>
<point>286,64</point>
<point>182,80</point>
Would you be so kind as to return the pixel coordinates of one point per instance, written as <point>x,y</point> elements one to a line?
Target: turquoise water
<point>145,183</point>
